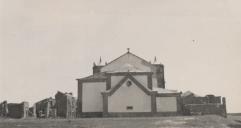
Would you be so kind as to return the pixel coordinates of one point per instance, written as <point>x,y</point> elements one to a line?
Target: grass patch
<point>209,121</point>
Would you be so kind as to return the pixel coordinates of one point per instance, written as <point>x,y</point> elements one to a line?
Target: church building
<point>127,86</point>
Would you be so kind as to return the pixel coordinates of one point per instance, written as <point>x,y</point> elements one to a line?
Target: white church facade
<point>127,86</point>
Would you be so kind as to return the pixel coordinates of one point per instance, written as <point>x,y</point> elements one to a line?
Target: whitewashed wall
<point>115,80</point>
<point>129,96</point>
<point>166,104</point>
<point>92,99</point>
<point>142,79</point>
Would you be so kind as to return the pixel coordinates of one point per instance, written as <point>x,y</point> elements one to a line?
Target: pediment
<point>126,79</point>
<point>128,63</point>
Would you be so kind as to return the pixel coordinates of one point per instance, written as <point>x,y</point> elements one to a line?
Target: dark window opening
<point>129,107</point>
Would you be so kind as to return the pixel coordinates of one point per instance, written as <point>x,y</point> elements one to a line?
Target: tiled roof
<point>100,75</point>
<point>161,90</point>
<point>131,54</point>
<point>188,93</point>
<point>128,62</point>
<point>128,68</point>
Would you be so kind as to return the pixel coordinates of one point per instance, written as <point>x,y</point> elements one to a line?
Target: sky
<point>46,44</point>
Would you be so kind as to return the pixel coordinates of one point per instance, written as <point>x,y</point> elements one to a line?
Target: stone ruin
<point>64,106</point>
<point>4,109</point>
<point>69,102</point>
<point>45,108</point>
<point>209,104</point>
<point>14,110</point>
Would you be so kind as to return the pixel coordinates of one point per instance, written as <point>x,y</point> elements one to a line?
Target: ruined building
<point>18,110</point>
<point>32,111</point>
<point>66,105</point>
<point>14,110</point>
<point>45,108</point>
<point>209,104</point>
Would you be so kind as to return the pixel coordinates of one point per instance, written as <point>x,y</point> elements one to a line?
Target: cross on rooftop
<point>128,50</point>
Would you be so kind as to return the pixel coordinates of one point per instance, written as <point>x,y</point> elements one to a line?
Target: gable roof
<point>128,53</point>
<point>128,68</point>
<point>128,62</point>
<point>115,88</point>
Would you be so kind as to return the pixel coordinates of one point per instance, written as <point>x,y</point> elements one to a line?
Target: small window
<point>128,83</point>
<point>129,107</point>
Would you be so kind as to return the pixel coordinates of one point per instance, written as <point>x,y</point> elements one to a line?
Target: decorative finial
<point>128,50</point>
<point>94,64</point>
<point>100,60</point>
<point>155,59</point>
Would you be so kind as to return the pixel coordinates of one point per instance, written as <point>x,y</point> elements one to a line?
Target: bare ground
<point>209,121</point>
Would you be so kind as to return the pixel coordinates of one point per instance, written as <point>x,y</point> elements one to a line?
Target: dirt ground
<point>210,121</point>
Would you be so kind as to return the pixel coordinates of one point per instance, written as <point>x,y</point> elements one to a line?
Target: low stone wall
<point>204,109</point>
<point>202,100</point>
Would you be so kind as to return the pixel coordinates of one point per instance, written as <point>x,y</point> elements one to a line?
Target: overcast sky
<point>47,44</point>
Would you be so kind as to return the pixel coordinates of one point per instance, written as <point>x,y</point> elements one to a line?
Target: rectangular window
<point>129,107</point>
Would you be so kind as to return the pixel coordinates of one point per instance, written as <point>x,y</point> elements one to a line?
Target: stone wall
<point>16,110</point>
<point>3,109</point>
<point>204,109</point>
<point>203,106</point>
<point>201,100</point>
<point>46,108</point>
<point>71,106</point>
<point>66,105</point>
<point>32,111</point>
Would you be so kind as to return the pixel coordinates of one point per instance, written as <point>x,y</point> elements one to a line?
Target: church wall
<point>166,104</point>
<point>129,99</point>
<point>115,80</point>
<point>91,96</point>
<point>142,79</point>
<point>154,82</point>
